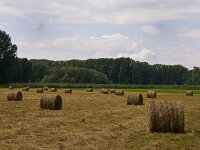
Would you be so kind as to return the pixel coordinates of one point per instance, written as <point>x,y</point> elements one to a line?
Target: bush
<point>75,75</point>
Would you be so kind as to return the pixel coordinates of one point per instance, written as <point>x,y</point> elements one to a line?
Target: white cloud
<point>114,45</point>
<point>178,54</point>
<point>149,29</point>
<point>195,34</point>
<point>141,55</point>
<point>107,46</point>
<point>60,20</point>
<point>105,11</point>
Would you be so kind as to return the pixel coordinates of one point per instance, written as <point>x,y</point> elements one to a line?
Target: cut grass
<point>162,90</point>
<point>91,121</point>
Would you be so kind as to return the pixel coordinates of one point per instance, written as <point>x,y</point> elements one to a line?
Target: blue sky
<point>155,31</point>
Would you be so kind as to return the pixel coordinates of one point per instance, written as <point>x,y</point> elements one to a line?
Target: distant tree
<point>39,70</point>
<point>196,75</point>
<point>123,74</point>
<point>180,74</point>
<point>22,70</point>
<point>106,70</point>
<point>119,70</point>
<point>140,73</point>
<point>7,57</point>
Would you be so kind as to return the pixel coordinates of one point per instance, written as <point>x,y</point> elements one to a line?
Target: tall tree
<point>196,75</point>
<point>7,57</point>
<point>22,70</point>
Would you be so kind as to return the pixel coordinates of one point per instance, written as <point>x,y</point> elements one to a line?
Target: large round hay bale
<point>10,87</point>
<point>69,90</point>
<point>112,90</point>
<point>181,119</point>
<point>53,90</point>
<point>189,93</point>
<point>25,88</point>
<point>14,96</point>
<point>52,102</point>
<point>45,88</point>
<point>151,94</point>
<point>165,117</point>
<point>90,90</point>
<point>151,116</point>
<point>119,92</point>
<point>135,99</point>
<point>40,90</point>
<point>104,91</point>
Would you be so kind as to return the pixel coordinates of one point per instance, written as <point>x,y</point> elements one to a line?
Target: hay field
<point>91,121</point>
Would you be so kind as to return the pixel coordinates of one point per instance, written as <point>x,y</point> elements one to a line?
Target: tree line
<point>119,71</point>
<point>103,70</point>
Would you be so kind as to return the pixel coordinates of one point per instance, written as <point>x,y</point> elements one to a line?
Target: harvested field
<point>91,121</point>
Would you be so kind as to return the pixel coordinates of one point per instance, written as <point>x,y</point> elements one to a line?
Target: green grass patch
<point>162,90</point>
<point>121,86</point>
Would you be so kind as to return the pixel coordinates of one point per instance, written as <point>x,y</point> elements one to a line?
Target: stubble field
<point>91,121</point>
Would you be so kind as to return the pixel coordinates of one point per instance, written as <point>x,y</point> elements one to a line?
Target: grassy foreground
<point>91,121</point>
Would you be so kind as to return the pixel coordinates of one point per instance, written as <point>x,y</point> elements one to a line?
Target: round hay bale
<point>181,119</point>
<point>135,99</point>
<point>112,90</point>
<point>119,92</point>
<point>159,117</point>
<point>189,93</point>
<point>90,90</point>
<point>53,90</point>
<point>29,87</point>
<point>165,117</point>
<point>104,91</point>
<point>167,124</point>
<point>25,89</point>
<point>151,94</point>
<point>45,88</point>
<point>10,87</point>
<point>40,90</point>
<point>151,117</point>
<point>69,90</point>
<point>14,96</point>
<point>52,102</point>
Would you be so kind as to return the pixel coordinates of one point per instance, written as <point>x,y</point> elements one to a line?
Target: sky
<point>154,31</point>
